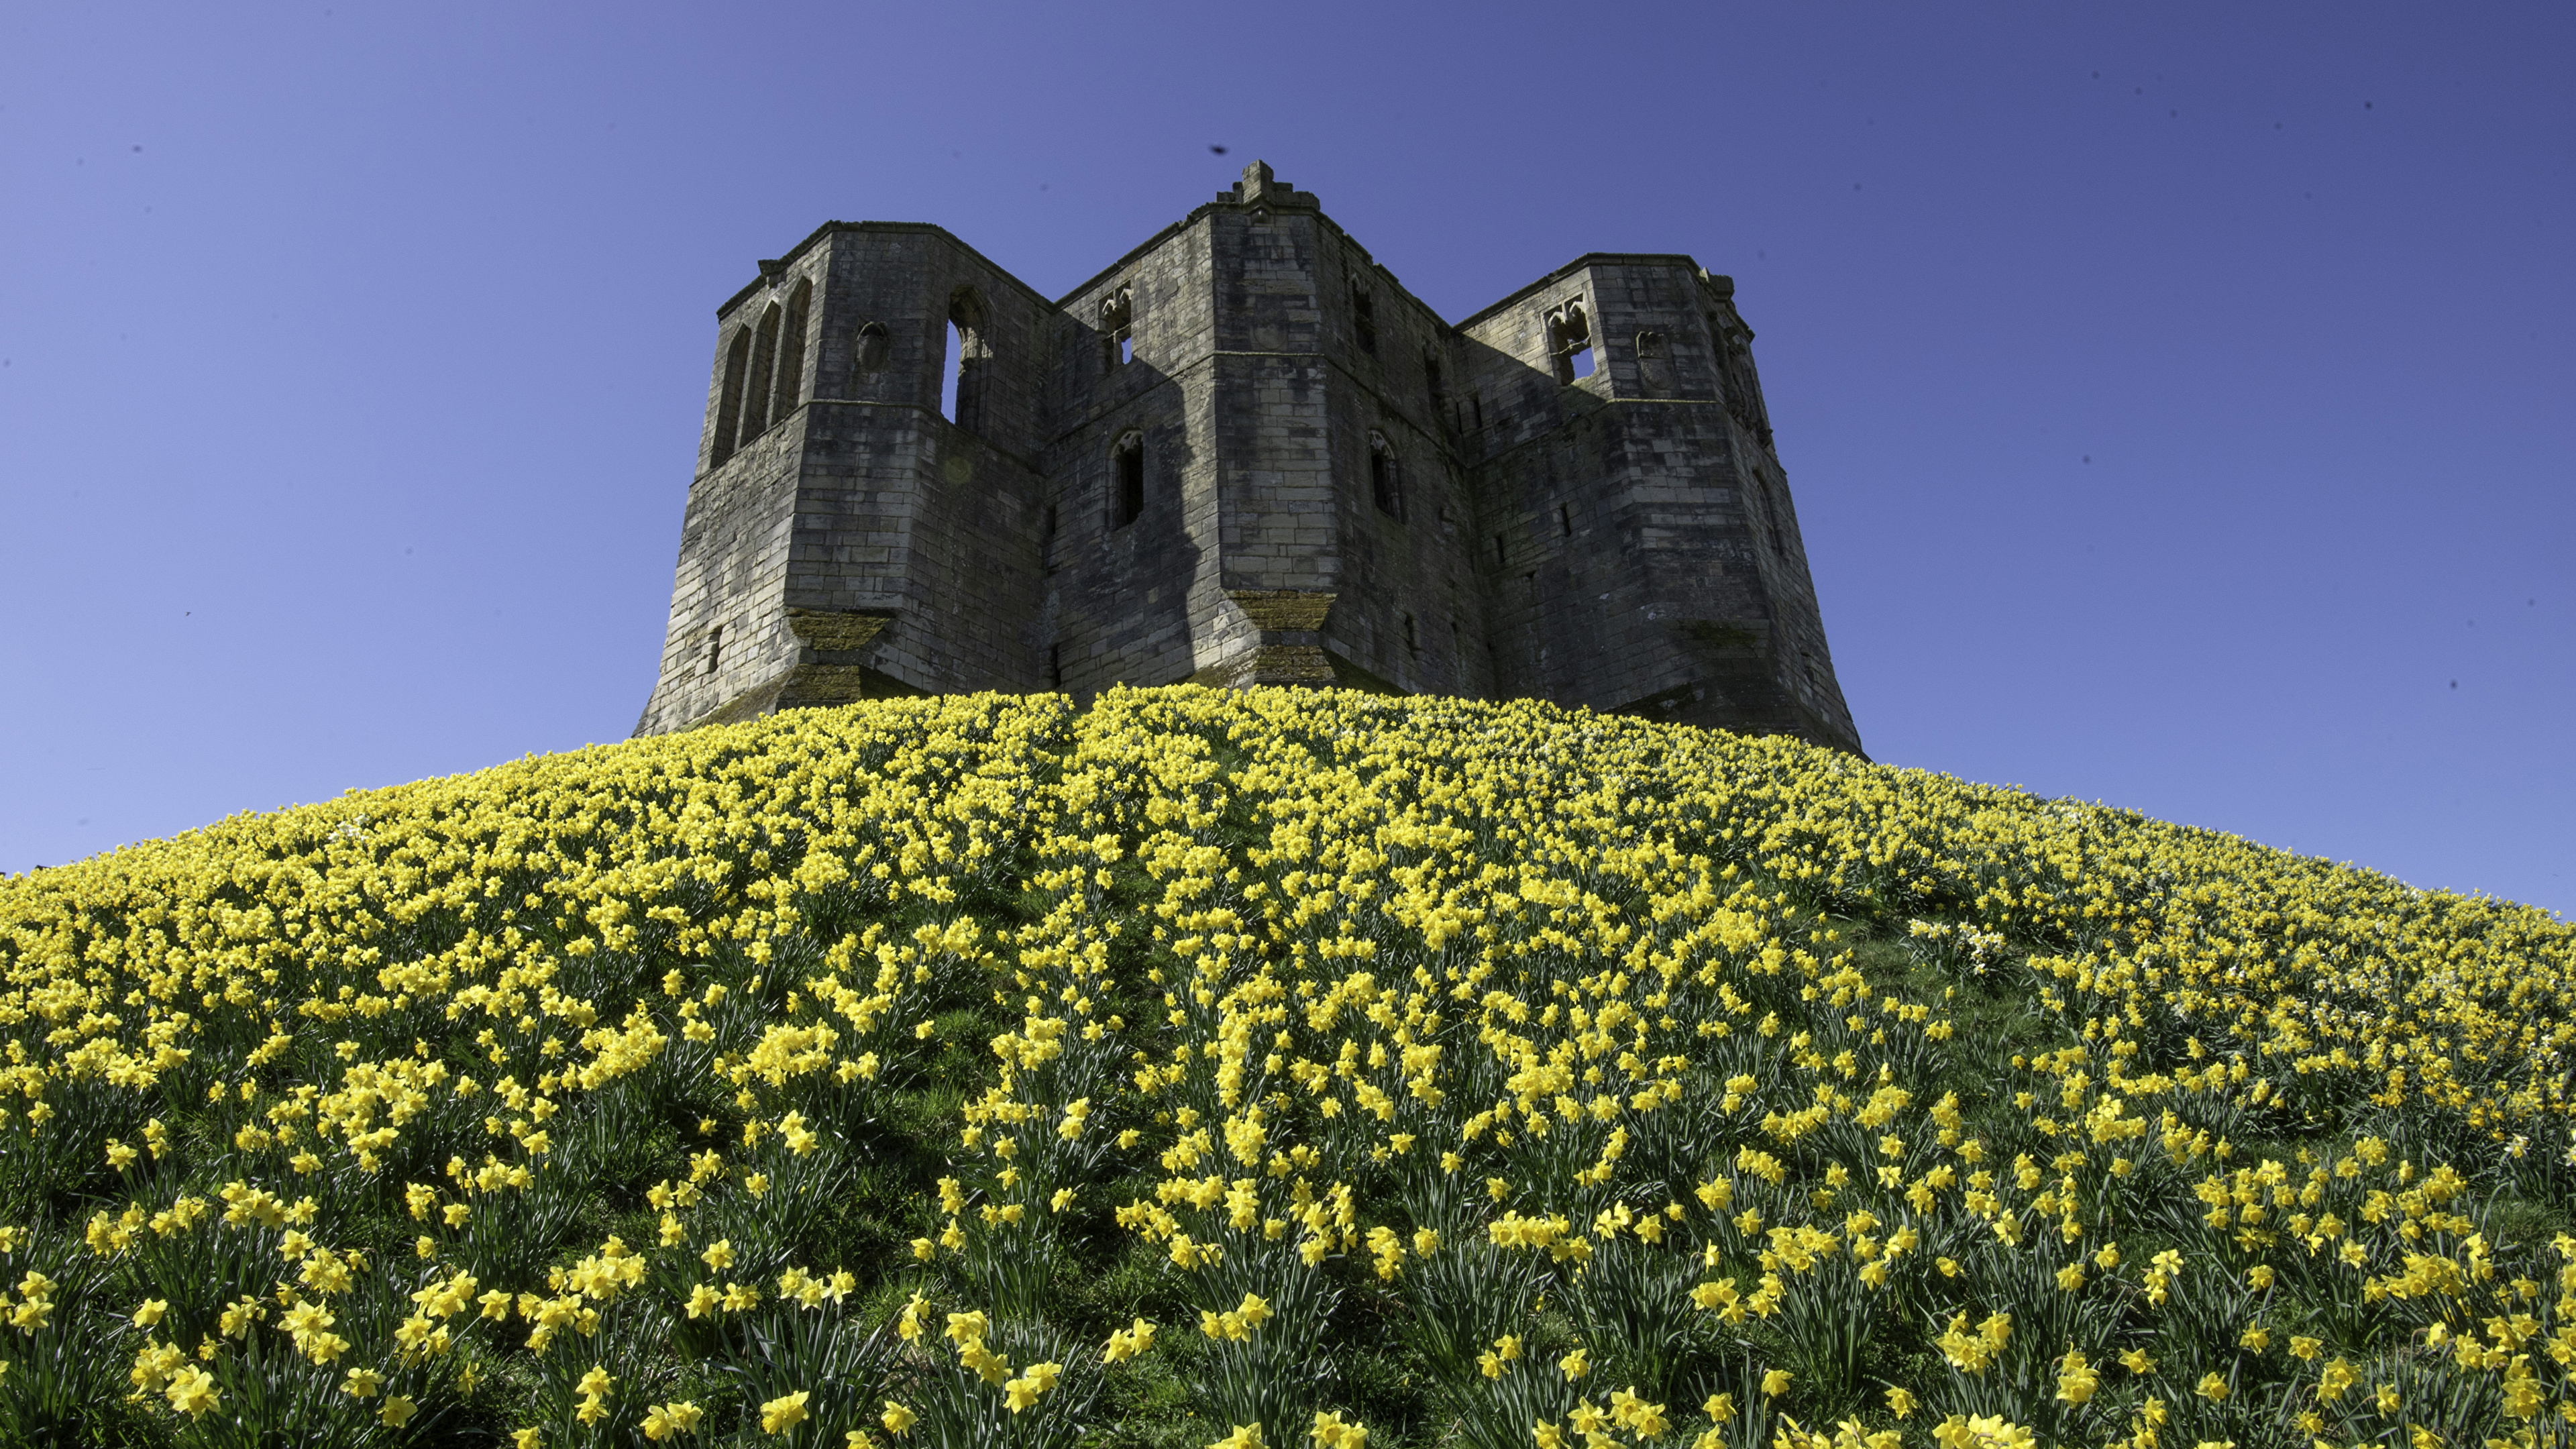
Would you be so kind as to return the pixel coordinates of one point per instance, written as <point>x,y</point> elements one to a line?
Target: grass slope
<point>1269,1068</point>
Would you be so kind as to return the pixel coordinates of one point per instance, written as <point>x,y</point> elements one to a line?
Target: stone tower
<point>1242,455</point>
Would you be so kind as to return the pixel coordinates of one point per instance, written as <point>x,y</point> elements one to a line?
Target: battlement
<point>1243,454</point>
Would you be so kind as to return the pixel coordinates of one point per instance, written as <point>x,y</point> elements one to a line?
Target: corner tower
<point>1243,454</point>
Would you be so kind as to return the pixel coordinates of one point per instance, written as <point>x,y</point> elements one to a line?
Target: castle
<point>1242,455</point>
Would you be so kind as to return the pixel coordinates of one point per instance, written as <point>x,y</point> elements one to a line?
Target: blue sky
<point>2176,397</point>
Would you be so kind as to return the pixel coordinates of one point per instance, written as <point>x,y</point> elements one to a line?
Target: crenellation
<point>1242,454</point>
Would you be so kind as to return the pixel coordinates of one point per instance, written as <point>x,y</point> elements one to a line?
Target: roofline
<point>771,268</point>
<point>1578,264</point>
<point>1296,201</point>
<point>1138,250</point>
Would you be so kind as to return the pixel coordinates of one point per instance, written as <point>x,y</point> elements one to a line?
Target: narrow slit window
<point>1046,545</point>
<point>791,354</point>
<point>729,401</point>
<point>1055,666</point>
<point>1364,320</point>
<point>1412,642</point>
<point>1129,475</point>
<point>764,366</point>
<point>715,647</point>
<point>962,392</point>
<point>950,376</point>
<point>1385,486</point>
<point>1502,552</point>
<point>1565,519</point>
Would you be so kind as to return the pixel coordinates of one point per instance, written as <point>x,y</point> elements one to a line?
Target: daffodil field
<point>1264,1069</point>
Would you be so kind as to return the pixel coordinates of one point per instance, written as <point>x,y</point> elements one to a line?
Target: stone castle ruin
<point>1242,455</point>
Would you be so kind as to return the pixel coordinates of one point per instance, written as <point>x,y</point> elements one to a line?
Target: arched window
<point>1569,341</point>
<point>729,400</point>
<point>868,347</point>
<point>1386,488</point>
<point>1654,368</point>
<point>1364,319</point>
<point>1127,480</point>
<point>962,395</point>
<point>764,367</point>
<point>1117,329</point>
<point>791,354</point>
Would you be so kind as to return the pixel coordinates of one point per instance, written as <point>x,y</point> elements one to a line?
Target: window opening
<point>869,347</point>
<point>1412,644</point>
<point>1478,401</point>
<point>1046,547</point>
<point>764,364</point>
<point>1055,666</point>
<point>1569,341</point>
<point>950,376</point>
<point>729,401</point>
<point>791,354</point>
<point>1779,520</point>
<point>715,647</point>
<point>1502,554</point>
<point>1130,472</point>
<point>1364,320</point>
<point>1565,519</point>
<point>1118,327</point>
<point>962,394</point>
<point>1385,489</point>
<point>1654,374</point>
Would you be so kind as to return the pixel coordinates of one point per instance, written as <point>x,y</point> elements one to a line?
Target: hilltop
<point>1270,1067</point>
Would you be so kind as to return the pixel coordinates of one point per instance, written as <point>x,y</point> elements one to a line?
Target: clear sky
<point>2177,397</point>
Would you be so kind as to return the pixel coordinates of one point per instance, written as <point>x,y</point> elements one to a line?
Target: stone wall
<point>1292,471</point>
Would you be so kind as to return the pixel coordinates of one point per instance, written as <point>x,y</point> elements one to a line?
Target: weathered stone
<point>1242,455</point>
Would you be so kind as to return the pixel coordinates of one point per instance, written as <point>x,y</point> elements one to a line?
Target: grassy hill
<point>1269,1068</point>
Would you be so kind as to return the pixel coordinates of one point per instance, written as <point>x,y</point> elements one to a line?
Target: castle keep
<point>1242,455</point>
